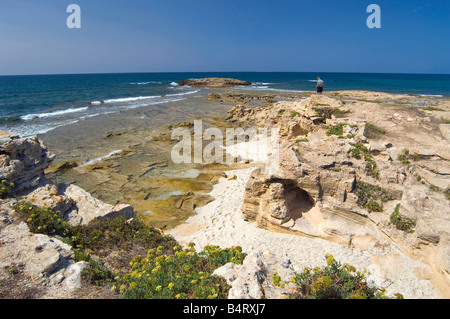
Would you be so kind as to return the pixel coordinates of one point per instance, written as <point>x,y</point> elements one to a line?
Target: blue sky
<point>224,35</point>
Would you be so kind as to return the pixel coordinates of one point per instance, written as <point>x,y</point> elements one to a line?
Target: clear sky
<point>224,35</point>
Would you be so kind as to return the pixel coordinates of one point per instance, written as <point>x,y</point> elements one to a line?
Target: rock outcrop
<point>42,261</point>
<point>340,177</point>
<point>213,82</point>
<point>22,161</point>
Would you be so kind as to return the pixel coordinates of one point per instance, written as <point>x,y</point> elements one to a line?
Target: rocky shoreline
<point>328,150</point>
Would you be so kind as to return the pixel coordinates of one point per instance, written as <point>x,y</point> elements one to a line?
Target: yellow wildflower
<point>133,285</point>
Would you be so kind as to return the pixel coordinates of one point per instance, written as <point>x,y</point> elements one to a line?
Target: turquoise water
<point>36,104</point>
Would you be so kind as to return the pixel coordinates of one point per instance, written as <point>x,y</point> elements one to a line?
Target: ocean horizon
<point>35,104</point>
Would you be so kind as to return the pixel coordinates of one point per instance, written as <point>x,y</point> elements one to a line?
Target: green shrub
<point>372,197</point>
<point>293,114</point>
<point>43,220</point>
<point>185,274</point>
<point>337,129</point>
<point>276,280</point>
<point>402,223</point>
<point>372,131</point>
<point>404,157</point>
<point>97,273</point>
<point>445,120</point>
<point>334,281</point>
<point>373,206</point>
<point>301,140</point>
<point>102,235</point>
<point>360,150</point>
<point>5,188</point>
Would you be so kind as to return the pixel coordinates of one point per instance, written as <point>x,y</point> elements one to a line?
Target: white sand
<point>220,223</point>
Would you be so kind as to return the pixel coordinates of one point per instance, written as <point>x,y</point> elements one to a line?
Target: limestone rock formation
<point>213,82</point>
<point>22,160</point>
<point>46,261</point>
<point>340,177</point>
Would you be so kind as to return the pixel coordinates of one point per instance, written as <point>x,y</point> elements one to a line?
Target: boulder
<point>23,161</point>
<point>86,207</point>
<point>40,254</point>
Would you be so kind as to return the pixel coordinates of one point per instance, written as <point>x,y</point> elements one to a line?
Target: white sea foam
<point>131,99</point>
<point>50,114</point>
<point>140,98</point>
<point>185,93</point>
<point>97,159</point>
<point>145,83</point>
<point>432,95</point>
<point>260,87</point>
<point>174,83</point>
<point>265,88</point>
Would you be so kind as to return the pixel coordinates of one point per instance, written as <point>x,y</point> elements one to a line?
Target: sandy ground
<point>220,223</point>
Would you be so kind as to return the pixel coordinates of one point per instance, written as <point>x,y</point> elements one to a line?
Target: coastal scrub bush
<point>160,271</point>
<point>372,131</point>
<point>118,233</point>
<point>445,120</point>
<point>5,188</point>
<point>334,281</point>
<point>43,220</point>
<point>372,197</point>
<point>337,129</point>
<point>404,157</point>
<point>293,114</point>
<point>400,222</point>
<point>358,150</point>
<point>185,274</point>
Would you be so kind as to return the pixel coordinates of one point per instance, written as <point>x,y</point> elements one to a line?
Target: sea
<point>33,105</point>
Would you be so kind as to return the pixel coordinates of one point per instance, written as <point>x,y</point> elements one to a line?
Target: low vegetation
<point>135,260</point>
<point>360,150</point>
<point>337,130</point>
<point>372,197</point>
<point>334,281</point>
<point>373,131</point>
<point>404,157</point>
<point>293,114</point>
<point>402,223</point>
<point>328,112</point>
<point>152,265</point>
<point>5,189</point>
<point>185,274</point>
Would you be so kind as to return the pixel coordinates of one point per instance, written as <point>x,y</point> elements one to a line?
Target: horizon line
<point>159,72</point>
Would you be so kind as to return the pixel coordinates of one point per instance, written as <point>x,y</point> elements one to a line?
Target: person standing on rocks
<point>320,85</point>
